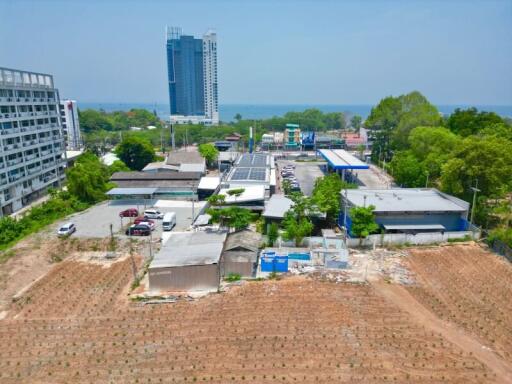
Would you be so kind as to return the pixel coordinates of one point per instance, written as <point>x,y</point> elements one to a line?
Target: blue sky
<point>270,52</point>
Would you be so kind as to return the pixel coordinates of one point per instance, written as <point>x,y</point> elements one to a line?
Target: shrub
<point>233,277</point>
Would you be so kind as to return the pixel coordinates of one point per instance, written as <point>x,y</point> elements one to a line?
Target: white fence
<point>405,238</point>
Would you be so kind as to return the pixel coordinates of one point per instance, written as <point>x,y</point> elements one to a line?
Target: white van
<point>153,214</point>
<point>169,221</point>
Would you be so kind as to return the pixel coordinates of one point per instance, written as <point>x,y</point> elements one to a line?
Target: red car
<point>130,212</point>
<point>141,219</point>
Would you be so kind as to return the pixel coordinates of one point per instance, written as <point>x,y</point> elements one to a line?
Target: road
<point>374,178</point>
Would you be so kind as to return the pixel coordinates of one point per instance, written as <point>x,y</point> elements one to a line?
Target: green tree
<point>486,159</point>
<point>470,121</point>
<point>135,152</point>
<point>91,120</point>
<point>391,121</point>
<point>355,122</point>
<point>238,117</point>
<point>217,200</point>
<point>363,221</point>
<point>118,166</point>
<point>232,217</point>
<point>88,178</point>
<point>432,147</point>
<point>273,234</point>
<point>407,170</point>
<point>296,228</point>
<point>326,194</point>
<point>209,152</point>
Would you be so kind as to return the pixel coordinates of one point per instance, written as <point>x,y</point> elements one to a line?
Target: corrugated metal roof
<point>190,248</point>
<point>277,206</point>
<point>245,238</point>
<point>193,167</point>
<point>184,156</point>
<point>405,200</point>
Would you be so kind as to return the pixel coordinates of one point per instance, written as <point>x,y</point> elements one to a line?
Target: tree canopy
<point>88,178</point>
<point>135,152</point>
<point>209,152</point>
<point>92,120</point>
<point>469,121</point>
<point>363,221</point>
<point>326,194</point>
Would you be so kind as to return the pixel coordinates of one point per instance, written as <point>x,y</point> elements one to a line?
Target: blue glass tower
<point>186,74</point>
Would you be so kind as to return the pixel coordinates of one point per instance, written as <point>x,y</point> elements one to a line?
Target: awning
<point>131,191</point>
<point>415,227</point>
<point>202,220</point>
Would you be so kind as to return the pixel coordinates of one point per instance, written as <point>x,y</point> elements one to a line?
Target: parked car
<point>153,214</point>
<point>138,230</point>
<point>169,221</point>
<point>148,223</point>
<point>66,230</point>
<point>130,212</point>
<point>142,219</point>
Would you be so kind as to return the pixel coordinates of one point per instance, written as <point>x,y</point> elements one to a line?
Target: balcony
<point>10,163</point>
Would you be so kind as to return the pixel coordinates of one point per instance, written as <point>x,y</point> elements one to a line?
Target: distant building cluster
<point>192,75</point>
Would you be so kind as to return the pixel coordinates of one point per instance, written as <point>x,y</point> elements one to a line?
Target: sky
<point>269,52</point>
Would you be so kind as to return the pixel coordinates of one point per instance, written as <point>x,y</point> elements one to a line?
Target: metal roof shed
<point>188,261</point>
<point>240,253</point>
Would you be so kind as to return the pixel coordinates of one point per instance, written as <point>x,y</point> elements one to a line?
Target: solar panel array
<point>254,174</point>
<point>253,160</point>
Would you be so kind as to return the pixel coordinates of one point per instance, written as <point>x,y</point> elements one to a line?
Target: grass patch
<point>232,277</point>
<point>460,239</point>
<point>12,230</point>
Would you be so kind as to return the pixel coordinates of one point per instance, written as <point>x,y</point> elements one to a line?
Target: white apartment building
<point>70,124</point>
<point>211,103</point>
<point>31,139</point>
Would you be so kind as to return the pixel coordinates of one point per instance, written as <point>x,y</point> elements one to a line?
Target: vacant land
<point>76,325</point>
<point>469,287</point>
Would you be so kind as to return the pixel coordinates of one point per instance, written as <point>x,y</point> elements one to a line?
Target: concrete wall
<point>186,278</point>
<point>242,268</point>
<point>403,238</point>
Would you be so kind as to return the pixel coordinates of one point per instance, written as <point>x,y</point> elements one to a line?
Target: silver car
<point>66,230</point>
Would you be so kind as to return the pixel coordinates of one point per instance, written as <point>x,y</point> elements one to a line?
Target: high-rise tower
<point>192,74</point>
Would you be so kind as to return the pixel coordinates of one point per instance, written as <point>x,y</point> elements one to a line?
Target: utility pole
<point>345,203</point>
<point>475,190</point>
<point>426,183</point>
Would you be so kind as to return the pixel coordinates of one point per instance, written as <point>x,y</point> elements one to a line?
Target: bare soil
<point>76,325</point>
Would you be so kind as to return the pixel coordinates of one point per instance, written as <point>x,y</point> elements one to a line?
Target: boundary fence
<point>501,249</point>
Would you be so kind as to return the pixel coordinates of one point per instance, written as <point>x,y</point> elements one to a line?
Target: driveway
<point>95,221</point>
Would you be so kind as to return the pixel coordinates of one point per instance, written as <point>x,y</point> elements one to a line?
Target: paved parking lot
<point>305,172</point>
<point>96,221</point>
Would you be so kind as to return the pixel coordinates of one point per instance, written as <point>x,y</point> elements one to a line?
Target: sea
<point>264,111</point>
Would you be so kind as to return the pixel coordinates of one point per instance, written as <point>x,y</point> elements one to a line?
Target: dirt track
<point>399,296</point>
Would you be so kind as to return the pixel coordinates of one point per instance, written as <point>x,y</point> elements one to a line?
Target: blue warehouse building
<point>407,210</point>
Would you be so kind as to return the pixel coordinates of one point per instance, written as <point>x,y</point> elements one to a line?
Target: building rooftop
<point>131,191</point>
<point>17,78</point>
<point>405,200</point>
<point>193,167</point>
<point>209,183</point>
<point>189,155</point>
<point>159,165</point>
<point>341,159</point>
<point>277,206</point>
<point>242,246</point>
<point>190,248</point>
<point>250,193</point>
<point>261,160</point>
<point>155,176</point>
